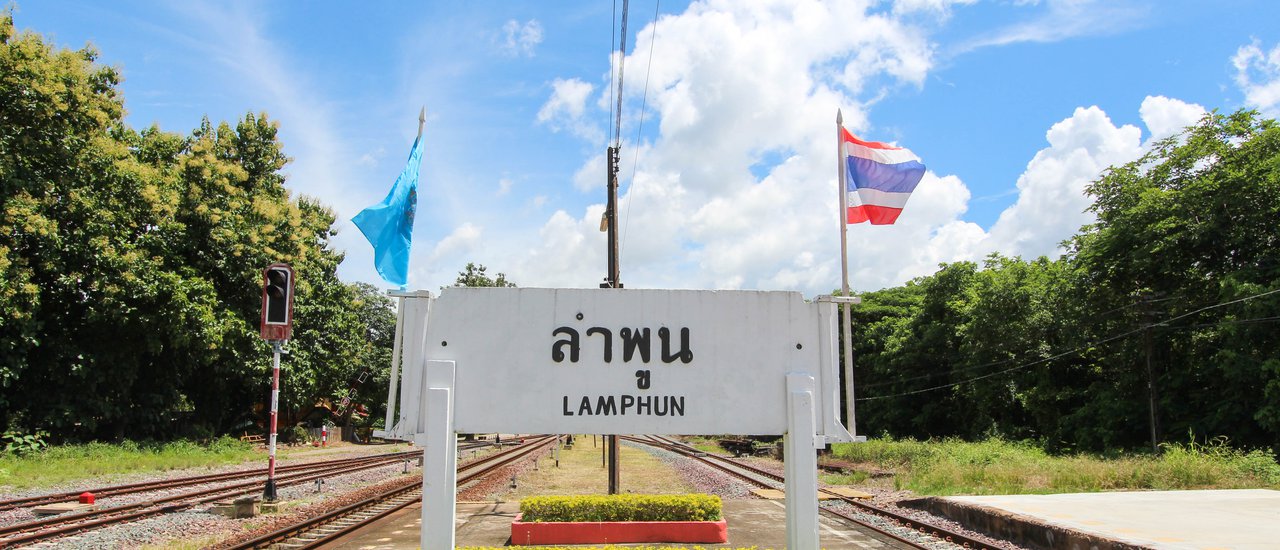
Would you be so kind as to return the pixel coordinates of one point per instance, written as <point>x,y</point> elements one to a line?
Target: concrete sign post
<point>609,361</point>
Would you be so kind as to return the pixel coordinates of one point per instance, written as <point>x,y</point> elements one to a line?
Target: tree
<point>474,275</point>
<point>1188,232</point>
<point>130,263</point>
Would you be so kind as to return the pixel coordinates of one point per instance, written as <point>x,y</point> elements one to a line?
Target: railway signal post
<point>276,327</point>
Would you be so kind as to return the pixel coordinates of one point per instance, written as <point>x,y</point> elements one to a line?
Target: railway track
<point>64,525</point>
<point>133,488</point>
<point>317,531</point>
<point>769,480</point>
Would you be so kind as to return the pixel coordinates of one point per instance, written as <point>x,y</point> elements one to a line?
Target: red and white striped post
<point>269,493</point>
<point>277,326</point>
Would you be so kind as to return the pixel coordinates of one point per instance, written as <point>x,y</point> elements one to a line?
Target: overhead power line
<point>644,102</point>
<point>1073,350</point>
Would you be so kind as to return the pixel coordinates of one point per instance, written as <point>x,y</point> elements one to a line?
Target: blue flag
<point>389,224</point>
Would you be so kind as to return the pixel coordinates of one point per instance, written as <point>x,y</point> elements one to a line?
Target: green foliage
<point>697,507</point>
<point>474,275</point>
<point>994,466</point>
<point>59,464</point>
<point>130,264</point>
<point>20,443</point>
<point>298,434</point>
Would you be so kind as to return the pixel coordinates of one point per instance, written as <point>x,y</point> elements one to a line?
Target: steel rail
<point>494,462</point>
<point>63,525</point>
<point>131,488</point>
<point>933,530</point>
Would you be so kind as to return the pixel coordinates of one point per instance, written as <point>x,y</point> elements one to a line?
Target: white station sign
<point>613,361</point>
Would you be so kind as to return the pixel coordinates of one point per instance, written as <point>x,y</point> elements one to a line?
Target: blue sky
<point>730,183</point>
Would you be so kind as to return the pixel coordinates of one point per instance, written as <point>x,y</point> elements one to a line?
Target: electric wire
<point>622,60</point>
<point>613,41</point>
<point>644,101</point>
<point>1073,350</point>
<point>973,368</point>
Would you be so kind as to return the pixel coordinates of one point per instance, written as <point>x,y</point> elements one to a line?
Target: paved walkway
<point>1246,519</point>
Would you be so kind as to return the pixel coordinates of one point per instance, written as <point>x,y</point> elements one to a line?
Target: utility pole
<point>1149,316</point>
<point>612,281</point>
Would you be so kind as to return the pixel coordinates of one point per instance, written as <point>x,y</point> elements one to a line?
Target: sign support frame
<point>800,463</point>
<point>440,459</point>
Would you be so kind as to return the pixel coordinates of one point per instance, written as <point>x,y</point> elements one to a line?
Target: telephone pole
<point>1149,317</point>
<point>612,281</point>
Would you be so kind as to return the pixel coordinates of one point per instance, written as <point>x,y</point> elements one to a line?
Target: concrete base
<point>1240,519</point>
<point>246,507</point>
<point>62,508</point>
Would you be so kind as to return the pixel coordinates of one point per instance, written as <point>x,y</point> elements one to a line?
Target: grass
<point>705,444</point>
<point>994,466</point>
<point>57,465</point>
<point>582,473</point>
<point>853,478</point>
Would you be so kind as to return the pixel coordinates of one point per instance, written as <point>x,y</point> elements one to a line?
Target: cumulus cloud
<point>521,38</point>
<point>460,242</point>
<point>1258,75</point>
<point>1051,203</point>
<point>738,190</point>
<point>737,82</point>
<point>565,108</point>
<point>1165,117</point>
<point>1051,200</point>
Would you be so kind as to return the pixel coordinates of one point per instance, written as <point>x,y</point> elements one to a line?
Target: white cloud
<point>732,83</point>
<point>941,8</point>
<point>737,188</point>
<point>1060,20</point>
<point>521,39</point>
<point>1051,199</point>
<point>1165,117</point>
<point>566,107</point>
<point>1258,75</point>
<point>461,242</point>
<point>504,186</point>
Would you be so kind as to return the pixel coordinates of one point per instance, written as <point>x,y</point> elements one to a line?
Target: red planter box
<point>609,532</point>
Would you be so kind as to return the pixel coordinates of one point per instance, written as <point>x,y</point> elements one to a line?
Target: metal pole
<point>613,282</point>
<point>1149,317</point>
<point>612,215</point>
<point>395,366</point>
<point>269,492</point>
<point>846,321</point>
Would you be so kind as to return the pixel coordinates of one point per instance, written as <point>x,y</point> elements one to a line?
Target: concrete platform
<point>760,523</point>
<point>1247,519</point>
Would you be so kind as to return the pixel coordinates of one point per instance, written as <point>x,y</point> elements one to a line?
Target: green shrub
<point>19,443</point>
<point>621,508</point>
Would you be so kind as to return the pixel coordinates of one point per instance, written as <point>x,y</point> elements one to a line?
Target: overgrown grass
<point>55,465</point>
<point>843,479</point>
<point>994,466</point>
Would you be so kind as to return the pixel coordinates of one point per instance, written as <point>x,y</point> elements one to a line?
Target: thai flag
<point>878,179</point>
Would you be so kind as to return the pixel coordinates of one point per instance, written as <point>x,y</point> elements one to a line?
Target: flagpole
<point>847,322</point>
